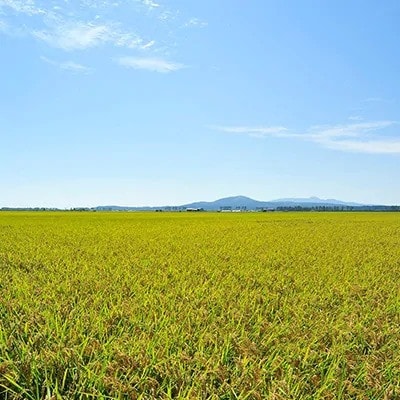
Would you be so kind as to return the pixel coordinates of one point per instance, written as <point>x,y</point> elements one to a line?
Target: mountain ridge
<point>249,203</point>
<point>244,202</point>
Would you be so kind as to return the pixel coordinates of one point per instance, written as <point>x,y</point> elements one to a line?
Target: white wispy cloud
<point>68,65</point>
<point>355,118</point>
<point>347,130</point>
<point>388,146</point>
<point>255,131</point>
<point>66,31</point>
<point>79,35</point>
<point>150,4</point>
<point>150,64</point>
<point>374,100</point>
<point>98,4</point>
<point>72,25</point>
<point>74,36</point>
<point>60,24</point>
<point>195,23</point>
<point>27,7</point>
<point>168,16</point>
<point>355,137</point>
<point>149,44</point>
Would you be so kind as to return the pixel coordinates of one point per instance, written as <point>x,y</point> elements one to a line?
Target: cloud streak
<point>255,131</point>
<point>79,35</point>
<point>74,36</point>
<point>355,137</point>
<point>92,24</point>
<point>66,31</point>
<point>150,4</point>
<point>27,7</point>
<point>389,146</point>
<point>68,66</point>
<point>150,64</point>
<point>195,23</point>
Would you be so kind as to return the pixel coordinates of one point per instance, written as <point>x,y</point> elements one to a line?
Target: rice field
<point>199,305</point>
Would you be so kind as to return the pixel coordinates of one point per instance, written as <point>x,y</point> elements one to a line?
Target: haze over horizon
<point>159,102</point>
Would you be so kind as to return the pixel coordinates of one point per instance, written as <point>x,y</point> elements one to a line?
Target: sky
<point>165,102</point>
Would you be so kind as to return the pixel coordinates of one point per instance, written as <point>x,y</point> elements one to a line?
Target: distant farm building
<point>231,209</point>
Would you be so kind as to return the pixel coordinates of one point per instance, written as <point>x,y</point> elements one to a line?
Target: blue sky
<point>146,102</point>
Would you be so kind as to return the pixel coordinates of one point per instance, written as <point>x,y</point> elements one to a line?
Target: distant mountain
<point>241,202</point>
<point>251,204</point>
<point>317,200</point>
<point>236,201</point>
